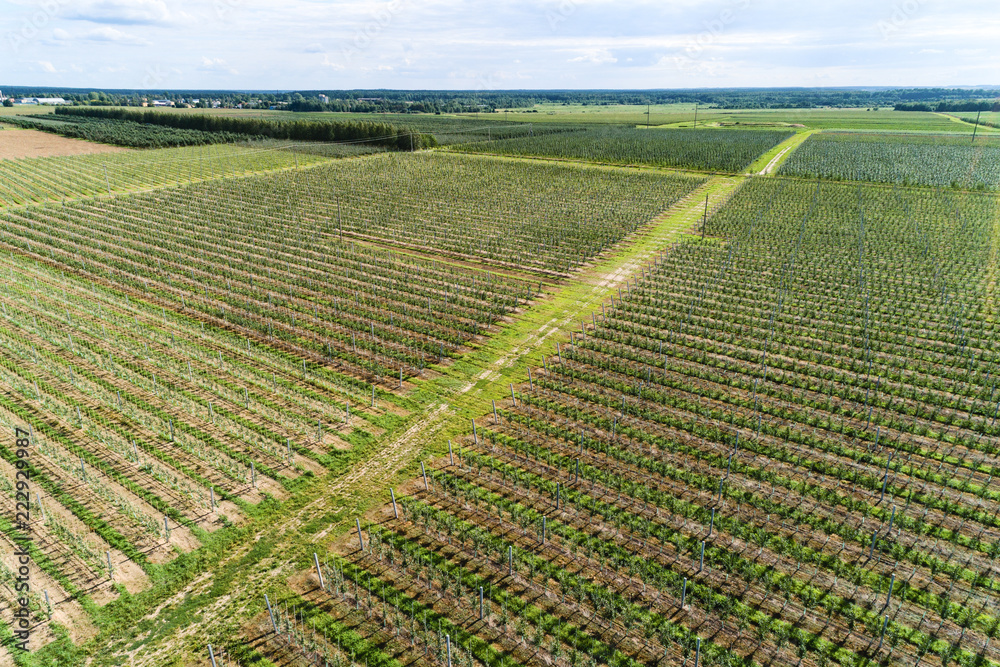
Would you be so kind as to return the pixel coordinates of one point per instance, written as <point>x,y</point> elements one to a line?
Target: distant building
<point>162,103</point>
<point>324,99</point>
<point>42,100</point>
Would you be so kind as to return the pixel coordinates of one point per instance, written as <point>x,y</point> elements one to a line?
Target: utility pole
<point>647,115</point>
<point>704,220</point>
<point>978,113</point>
<point>696,114</point>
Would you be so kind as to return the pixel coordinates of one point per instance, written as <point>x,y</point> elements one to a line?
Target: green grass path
<point>768,163</point>
<point>321,512</point>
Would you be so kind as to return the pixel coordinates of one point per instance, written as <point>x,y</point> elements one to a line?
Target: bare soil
<point>15,144</point>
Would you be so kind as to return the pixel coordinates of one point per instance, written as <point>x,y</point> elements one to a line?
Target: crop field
<point>33,180</point>
<point>707,150</point>
<point>776,450</point>
<point>449,130</point>
<point>515,400</point>
<point>122,133</point>
<point>283,274</point>
<point>150,429</point>
<point>942,161</point>
<point>989,119</point>
<point>542,218</point>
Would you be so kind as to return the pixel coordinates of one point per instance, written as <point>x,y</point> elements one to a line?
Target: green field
<point>33,180</point>
<point>942,161</point>
<point>705,150</point>
<point>541,396</point>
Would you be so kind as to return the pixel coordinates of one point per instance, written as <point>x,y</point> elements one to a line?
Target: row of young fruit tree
<point>778,449</point>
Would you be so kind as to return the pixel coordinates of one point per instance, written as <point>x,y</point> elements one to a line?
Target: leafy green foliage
<point>906,159</point>
<point>709,150</point>
<point>124,132</point>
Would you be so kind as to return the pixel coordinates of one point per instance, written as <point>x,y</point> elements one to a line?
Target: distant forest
<point>459,101</point>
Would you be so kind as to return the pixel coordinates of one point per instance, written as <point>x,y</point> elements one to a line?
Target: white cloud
<point>122,12</point>
<point>329,63</point>
<point>47,66</point>
<point>102,34</point>
<point>596,57</point>
<point>216,65</point>
<point>310,44</point>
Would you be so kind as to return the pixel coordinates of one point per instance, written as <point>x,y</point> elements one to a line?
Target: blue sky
<point>447,44</point>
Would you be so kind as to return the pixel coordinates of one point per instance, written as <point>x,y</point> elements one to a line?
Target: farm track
<point>964,623</point>
<point>460,389</point>
<point>681,421</point>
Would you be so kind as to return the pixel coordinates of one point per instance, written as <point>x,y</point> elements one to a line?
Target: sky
<point>479,45</point>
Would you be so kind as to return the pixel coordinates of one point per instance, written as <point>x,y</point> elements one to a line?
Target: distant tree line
<point>978,105</point>
<point>466,101</point>
<point>380,134</point>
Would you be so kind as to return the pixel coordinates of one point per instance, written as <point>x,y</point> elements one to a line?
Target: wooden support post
<point>319,571</point>
<point>888,597</point>
<point>270,612</point>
